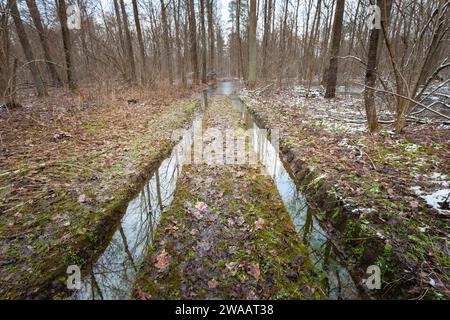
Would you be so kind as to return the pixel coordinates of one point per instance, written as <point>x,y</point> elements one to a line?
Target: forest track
<point>227,234</point>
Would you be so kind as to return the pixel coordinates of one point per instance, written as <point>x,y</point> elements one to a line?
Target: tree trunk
<point>252,46</point>
<point>166,41</point>
<point>238,34</point>
<point>212,53</point>
<point>335,45</point>
<point>40,85</point>
<point>36,16</point>
<point>204,48</point>
<point>129,42</point>
<point>119,25</point>
<point>193,39</point>
<point>180,60</point>
<point>265,44</point>
<point>66,44</point>
<point>371,71</point>
<point>185,61</point>
<point>5,66</point>
<point>140,40</point>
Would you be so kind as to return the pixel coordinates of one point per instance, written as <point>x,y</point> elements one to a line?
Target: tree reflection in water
<point>113,274</point>
<point>338,280</point>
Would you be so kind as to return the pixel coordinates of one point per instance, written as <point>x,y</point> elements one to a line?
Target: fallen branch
<point>406,98</point>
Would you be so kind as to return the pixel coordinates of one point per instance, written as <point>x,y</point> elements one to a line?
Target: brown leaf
<point>212,284</point>
<point>253,270</point>
<point>259,223</point>
<point>232,267</point>
<point>163,261</point>
<point>83,198</point>
<point>142,295</point>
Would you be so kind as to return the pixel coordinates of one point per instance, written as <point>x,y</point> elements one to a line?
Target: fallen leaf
<point>163,261</point>
<point>212,284</point>
<point>84,199</point>
<point>232,267</point>
<point>259,223</point>
<point>254,271</point>
<point>201,206</point>
<point>142,295</point>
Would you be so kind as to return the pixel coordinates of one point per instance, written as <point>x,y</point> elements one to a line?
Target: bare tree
<point>204,48</point>
<point>335,45</point>
<point>140,40</point>
<point>66,43</point>
<point>371,71</point>
<point>40,85</point>
<point>193,39</point>
<point>119,25</point>
<point>252,46</point>
<point>180,59</point>
<point>36,16</point>
<point>129,42</point>
<point>212,53</point>
<point>167,40</point>
<point>7,74</point>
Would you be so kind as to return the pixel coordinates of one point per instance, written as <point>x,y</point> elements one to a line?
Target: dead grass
<point>375,177</point>
<point>66,163</point>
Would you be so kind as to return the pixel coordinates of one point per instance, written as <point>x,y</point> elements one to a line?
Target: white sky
<point>222,6</point>
<point>223,12</point>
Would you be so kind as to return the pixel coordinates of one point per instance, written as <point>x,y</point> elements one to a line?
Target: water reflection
<point>114,272</point>
<point>338,280</point>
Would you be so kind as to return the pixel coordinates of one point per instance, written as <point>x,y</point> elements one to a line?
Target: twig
<point>407,98</point>
<point>370,159</point>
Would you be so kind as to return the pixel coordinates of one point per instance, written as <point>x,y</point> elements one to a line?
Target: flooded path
<point>114,273</point>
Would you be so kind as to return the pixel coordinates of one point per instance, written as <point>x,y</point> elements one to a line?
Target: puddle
<point>113,274</point>
<point>340,283</point>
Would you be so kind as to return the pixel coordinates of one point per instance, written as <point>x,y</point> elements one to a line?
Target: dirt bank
<point>382,197</point>
<point>68,169</point>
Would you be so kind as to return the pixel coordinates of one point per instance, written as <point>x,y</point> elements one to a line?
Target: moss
<point>276,249</point>
<point>90,224</point>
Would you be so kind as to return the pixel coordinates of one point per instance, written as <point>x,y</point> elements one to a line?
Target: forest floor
<point>67,169</point>
<point>394,187</point>
<point>227,234</point>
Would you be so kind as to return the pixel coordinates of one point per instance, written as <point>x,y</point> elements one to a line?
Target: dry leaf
<point>232,267</point>
<point>163,261</point>
<point>254,271</point>
<point>201,206</point>
<point>259,223</point>
<point>142,295</point>
<point>212,284</point>
<point>84,199</point>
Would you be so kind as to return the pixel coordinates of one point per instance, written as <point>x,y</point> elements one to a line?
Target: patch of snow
<point>380,235</point>
<point>436,197</point>
<point>440,178</point>
<point>364,210</point>
<point>412,148</point>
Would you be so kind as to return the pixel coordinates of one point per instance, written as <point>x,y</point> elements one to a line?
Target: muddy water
<point>112,275</point>
<point>338,280</point>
